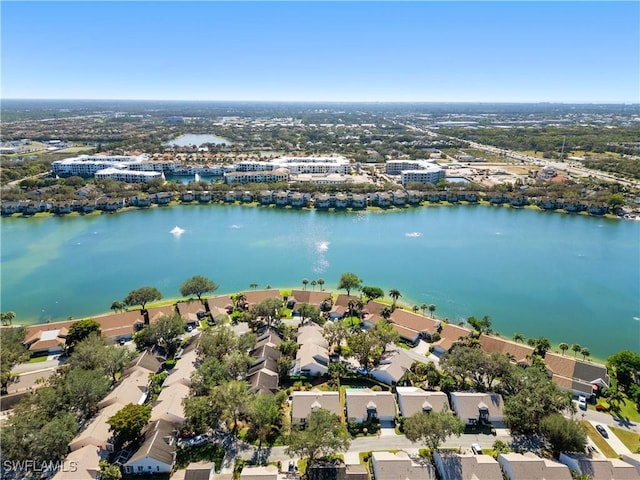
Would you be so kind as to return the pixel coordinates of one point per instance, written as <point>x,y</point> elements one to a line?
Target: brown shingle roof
<point>303,403</point>
<point>517,351</point>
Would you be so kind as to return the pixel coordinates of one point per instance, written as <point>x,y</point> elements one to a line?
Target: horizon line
<point>530,102</point>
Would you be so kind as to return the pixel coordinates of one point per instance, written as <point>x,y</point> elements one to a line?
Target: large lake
<point>197,140</point>
<point>566,277</point>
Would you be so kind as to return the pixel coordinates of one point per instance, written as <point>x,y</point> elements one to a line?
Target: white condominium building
<point>325,165</point>
<point>277,175</point>
<point>430,175</point>
<point>395,167</point>
<point>130,176</point>
<point>88,165</point>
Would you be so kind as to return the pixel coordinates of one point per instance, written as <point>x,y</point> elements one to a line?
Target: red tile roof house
<point>310,297</point>
<point>449,335</point>
<point>478,408</point>
<point>577,376</point>
<point>191,312</point>
<point>363,404</point>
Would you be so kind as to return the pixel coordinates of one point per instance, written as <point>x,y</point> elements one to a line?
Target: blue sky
<point>322,51</point>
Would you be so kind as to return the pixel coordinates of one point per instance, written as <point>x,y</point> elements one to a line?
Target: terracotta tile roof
<point>414,321</point>
<point>517,351</point>
<point>257,296</point>
<point>307,296</point>
<point>193,307</point>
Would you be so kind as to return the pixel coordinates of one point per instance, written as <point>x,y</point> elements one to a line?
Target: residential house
<point>399,466</point>
<point>269,472</point>
<point>269,337</point>
<point>449,335</point>
<point>529,466</point>
<point>312,357</point>
<point>392,367</point>
<point>133,387</point>
<point>412,400</point>
<point>466,466</point>
<point>341,200</point>
<point>48,338</point>
<point>310,297</point>
<point>518,353</point>
<point>400,198</point>
<point>81,464</point>
<point>169,405</point>
<point>363,404</point>
<point>199,471</point>
<point>254,297</point>
<point>478,408</point>
<point>187,196</point>
<point>157,454</point>
<point>96,433</point>
<point>322,201</point>
<point>409,324</point>
<point>577,376</point>
<point>266,197</point>
<point>191,312</point>
<point>341,306</point>
<point>155,313</point>
<point>281,199</point>
<point>358,201</point>
<point>303,403</point>
<point>600,468</point>
<point>263,381</point>
<point>220,307</point>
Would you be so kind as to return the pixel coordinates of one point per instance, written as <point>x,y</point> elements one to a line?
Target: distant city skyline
<point>505,52</point>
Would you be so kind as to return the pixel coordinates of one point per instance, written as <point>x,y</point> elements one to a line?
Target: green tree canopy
<point>128,422</point>
<point>371,293</point>
<point>563,434</point>
<point>431,429</point>
<point>86,388</point>
<point>625,366</point>
<point>80,330</point>
<point>197,285</point>
<point>323,435</point>
<point>310,312</point>
<point>12,351</point>
<point>142,296</point>
<point>349,281</point>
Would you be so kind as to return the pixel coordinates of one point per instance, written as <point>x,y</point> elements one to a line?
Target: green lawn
<point>600,442</point>
<point>38,359</point>
<point>629,438</point>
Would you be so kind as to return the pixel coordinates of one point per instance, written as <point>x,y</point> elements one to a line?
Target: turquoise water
<point>569,278</point>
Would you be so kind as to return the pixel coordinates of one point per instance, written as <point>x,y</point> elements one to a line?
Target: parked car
<point>582,402</point>
<point>602,431</point>
<point>476,448</point>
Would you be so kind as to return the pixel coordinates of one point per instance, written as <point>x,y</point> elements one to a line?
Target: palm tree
<point>564,347</point>
<point>313,285</point>
<point>253,285</point>
<point>576,348</point>
<point>395,294</point>
<point>321,283</point>
<point>518,337</point>
<point>7,318</point>
<point>424,308</point>
<point>386,312</point>
<point>416,309</point>
<point>432,308</point>
<point>305,282</point>
<point>585,353</point>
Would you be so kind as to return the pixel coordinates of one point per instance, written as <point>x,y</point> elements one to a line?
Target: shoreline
<point>174,300</point>
<point>369,208</point>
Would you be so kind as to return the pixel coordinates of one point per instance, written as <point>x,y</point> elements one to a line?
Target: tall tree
<point>142,296</point>
<point>563,347</point>
<point>349,281</point>
<point>585,352</point>
<point>576,348</point>
<point>305,282</point>
<point>518,337</point>
<point>564,434</point>
<point>166,332</point>
<point>395,295</point>
<point>264,414</point>
<point>625,366</point>
<point>232,400</point>
<point>86,388</point>
<point>80,330</point>
<point>321,283</point>
<point>431,429</point>
<point>432,309</point>
<point>334,333</point>
<point>311,312</point>
<point>117,306</point>
<point>268,309</point>
<point>128,422</point>
<point>12,351</point>
<point>324,434</point>
<point>198,285</point>
<point>423,308</point>
<point>313,284</point>
<point>7,318</point>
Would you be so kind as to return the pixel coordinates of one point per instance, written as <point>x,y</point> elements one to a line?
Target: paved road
<point>613,441</point>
